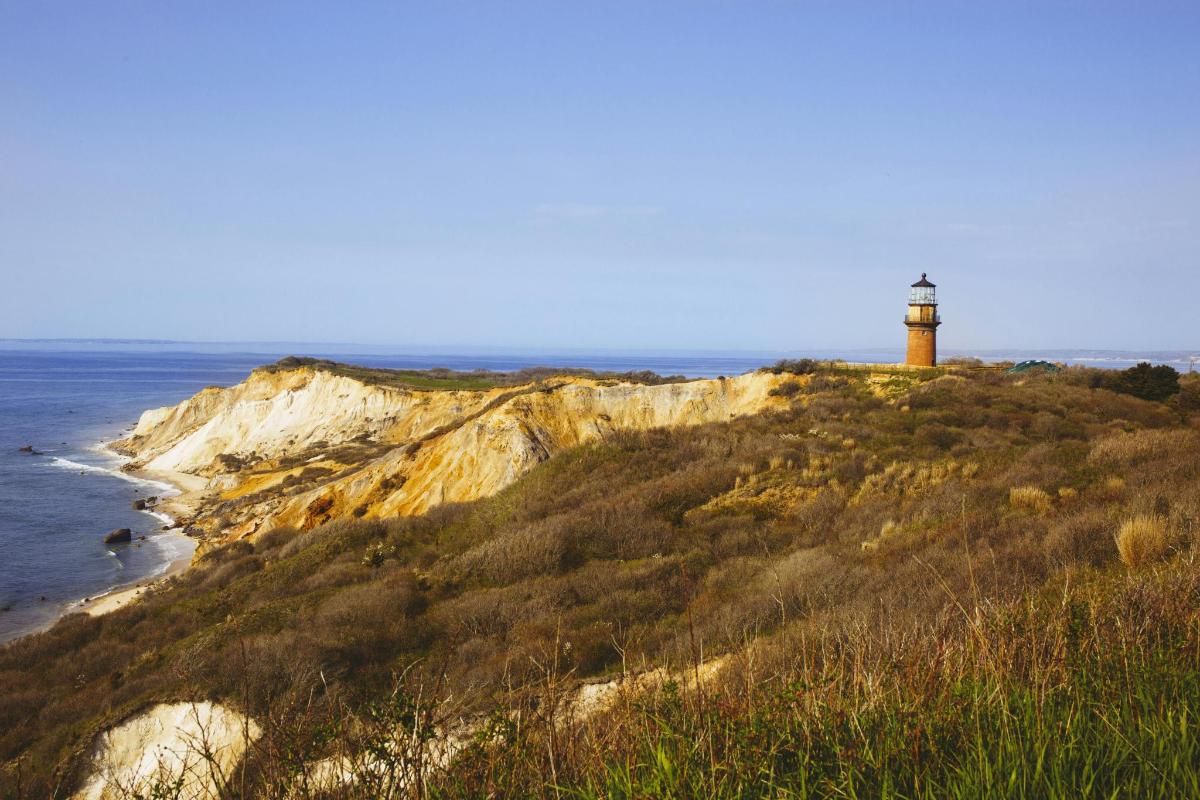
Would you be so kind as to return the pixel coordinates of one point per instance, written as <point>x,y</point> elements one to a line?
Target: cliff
<point>305,445</point>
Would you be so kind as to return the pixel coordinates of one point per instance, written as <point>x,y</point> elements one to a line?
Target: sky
<point>622,175</point>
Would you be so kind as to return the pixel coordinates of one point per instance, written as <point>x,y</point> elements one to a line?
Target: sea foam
<point>165,489</point>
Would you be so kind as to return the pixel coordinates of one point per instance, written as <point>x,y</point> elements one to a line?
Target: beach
<point>173,502</point>
<point>124,595</point>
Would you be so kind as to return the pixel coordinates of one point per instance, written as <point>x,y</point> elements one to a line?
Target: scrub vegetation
<point>931,585</point>
<point>442,379</point>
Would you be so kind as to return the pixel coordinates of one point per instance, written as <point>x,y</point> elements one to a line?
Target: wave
<point>164,488</point>
<point>166,519</point>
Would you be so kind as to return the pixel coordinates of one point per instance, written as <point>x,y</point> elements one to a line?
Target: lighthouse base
<point>922,346</point>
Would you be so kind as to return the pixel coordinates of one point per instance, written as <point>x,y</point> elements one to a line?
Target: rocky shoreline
<point>164,507</point>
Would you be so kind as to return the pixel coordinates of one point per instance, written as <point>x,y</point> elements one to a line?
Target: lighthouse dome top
<point>922,293</point>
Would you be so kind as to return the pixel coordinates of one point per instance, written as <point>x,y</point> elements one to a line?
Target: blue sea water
<point>64,399</point>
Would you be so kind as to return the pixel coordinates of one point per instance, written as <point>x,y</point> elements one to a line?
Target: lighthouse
<point>922,323</point>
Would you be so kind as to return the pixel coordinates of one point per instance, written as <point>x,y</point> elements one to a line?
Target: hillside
<point>304,445</point>
<point>842,583</point>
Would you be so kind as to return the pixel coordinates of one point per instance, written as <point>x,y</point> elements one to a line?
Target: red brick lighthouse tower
<point>922,322</point>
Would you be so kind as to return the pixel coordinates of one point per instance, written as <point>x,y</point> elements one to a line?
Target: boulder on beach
<point>119,535</point>
<point>139,505</point>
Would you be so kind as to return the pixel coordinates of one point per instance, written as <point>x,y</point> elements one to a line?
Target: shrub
<point>800,366</point>
<point>1142,539</point>
<point>543,548</point>
<point>1188,398</point>
<point>786,389</point>
<point>1145,381</point>
<point>1081,538</point>
<point>1030,498</point>
<point>938,435</point>
<point>376,554</point>
<point>275,539</point>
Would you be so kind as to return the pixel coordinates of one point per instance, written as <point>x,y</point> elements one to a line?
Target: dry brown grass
<point>1030,498</point>
<point>1139,446</point>
<point>1143,539</point>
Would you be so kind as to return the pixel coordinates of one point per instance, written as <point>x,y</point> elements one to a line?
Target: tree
<point>1146,381</point>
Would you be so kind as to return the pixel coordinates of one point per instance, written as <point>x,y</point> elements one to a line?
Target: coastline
<point>123,595</point>
<point>167,511</point>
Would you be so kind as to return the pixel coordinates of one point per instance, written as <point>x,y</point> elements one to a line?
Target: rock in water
<point>139,505</point>
<point>26,449</point>
<point>119,535</point>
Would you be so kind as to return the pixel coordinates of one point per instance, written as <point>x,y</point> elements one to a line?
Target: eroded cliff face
<point>180,750</point>
<point>303,446</point>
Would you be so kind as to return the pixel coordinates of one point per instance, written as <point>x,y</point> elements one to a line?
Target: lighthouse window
<point>922,295</point>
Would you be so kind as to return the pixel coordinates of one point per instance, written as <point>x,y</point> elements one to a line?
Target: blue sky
<point>638,175</point>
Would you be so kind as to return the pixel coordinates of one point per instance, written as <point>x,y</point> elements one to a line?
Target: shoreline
<point>167,510</point>
<point>123,594</point>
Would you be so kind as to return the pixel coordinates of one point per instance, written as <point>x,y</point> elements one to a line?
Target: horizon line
<point>469,349</point>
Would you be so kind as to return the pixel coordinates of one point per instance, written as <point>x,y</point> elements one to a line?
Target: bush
<point>1188,398</point>
<point>938,435</point>
<point>1145,381</point>
<point>1083,538</point>
<point>1142,539</point>
<point>786,389</point>
<point>800,366</point>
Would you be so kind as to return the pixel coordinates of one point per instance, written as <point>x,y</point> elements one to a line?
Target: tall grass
<point>1030,498</point>
<point>1087,692</point>
<point>1142,539</point>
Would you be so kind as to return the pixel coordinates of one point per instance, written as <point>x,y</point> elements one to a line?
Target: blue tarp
<point>1025,366</point>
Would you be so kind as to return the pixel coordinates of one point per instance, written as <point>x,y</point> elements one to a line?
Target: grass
<point>968,647</point>
<point>1086,691</point>
<point>1142,540</point>
<point>1030,498</point>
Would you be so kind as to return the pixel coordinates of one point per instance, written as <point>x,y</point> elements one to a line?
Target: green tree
<point>1145,381</point>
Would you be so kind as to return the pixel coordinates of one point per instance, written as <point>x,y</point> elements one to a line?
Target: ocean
<point>65,399</point>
